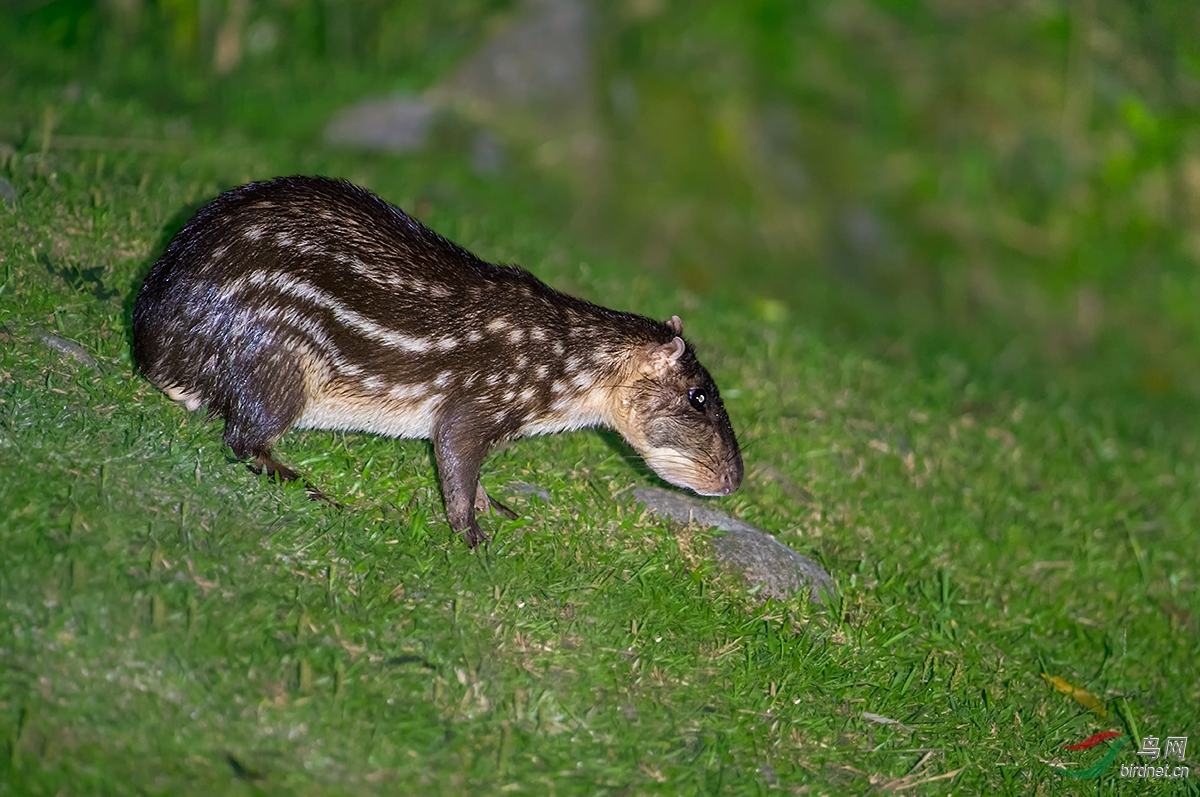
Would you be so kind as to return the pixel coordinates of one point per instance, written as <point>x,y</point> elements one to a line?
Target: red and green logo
<point>1101,766</point>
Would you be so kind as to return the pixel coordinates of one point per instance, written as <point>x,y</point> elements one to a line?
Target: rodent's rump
<point>311,302</point>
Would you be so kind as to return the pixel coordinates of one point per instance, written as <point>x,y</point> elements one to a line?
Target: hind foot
<point>277,471</point>
<point>475,535</point>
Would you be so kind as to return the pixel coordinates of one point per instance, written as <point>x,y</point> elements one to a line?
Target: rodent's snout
<point>731,476</point>
<point>730,481</point>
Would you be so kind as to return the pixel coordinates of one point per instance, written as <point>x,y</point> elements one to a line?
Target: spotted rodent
<point>310,302</point>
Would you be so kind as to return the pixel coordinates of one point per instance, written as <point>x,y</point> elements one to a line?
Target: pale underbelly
<point>414,419</point>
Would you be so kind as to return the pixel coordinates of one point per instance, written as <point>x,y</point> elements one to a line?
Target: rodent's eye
<point>698,398</point>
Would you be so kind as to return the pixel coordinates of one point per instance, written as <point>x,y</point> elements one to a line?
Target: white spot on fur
<point>443,379</point>
<point>373,382</point>
<point>543,371</point>
<point>493,379</point>
<point>447,343</point>
<point>283,239</point>
<point>497,325</point>
<point>527,394</point>
<point>582,380</point>
<point>218,253</point>
<point>407,392</point>
<point>509,395</point>
<point>572,364</point>
<point>559,349</point>
<point>474,336</point>
<point>516,336</point>
<point>558,387</point>
<point>253,233</point>
<point>512,378</point>
<point>537,333</point>
<point>571,412</point>
<point>191,400</point>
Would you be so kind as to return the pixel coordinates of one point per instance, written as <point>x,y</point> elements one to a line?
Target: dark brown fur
<point>309,301</point>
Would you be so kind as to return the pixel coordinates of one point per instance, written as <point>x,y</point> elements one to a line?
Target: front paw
<point>475,536</point>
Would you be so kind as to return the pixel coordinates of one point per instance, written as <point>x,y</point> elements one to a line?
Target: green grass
<point>172,624</point>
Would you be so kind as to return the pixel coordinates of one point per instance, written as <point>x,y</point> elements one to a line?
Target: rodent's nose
<point>731,480</point>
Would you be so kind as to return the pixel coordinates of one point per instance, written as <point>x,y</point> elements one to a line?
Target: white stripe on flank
<point>323,343</point>
<point>291,320</point>
<point>287,284</point>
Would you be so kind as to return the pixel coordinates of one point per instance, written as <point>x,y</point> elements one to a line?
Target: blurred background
<point>1007,187</point>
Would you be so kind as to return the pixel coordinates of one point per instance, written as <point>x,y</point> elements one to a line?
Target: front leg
<point>459,446</point>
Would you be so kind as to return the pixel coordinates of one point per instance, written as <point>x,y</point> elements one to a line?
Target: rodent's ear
<point>675,324</point>
<point>665,356</point>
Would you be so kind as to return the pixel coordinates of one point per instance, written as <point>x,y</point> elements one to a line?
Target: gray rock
<point>487,154</point>
<point>7,192</point>
<point>743,549</point>
<point>543,60</point>
<point>397,124</point>
<point>864,231</point>
<point>540,64</point>
<point>68,347</point>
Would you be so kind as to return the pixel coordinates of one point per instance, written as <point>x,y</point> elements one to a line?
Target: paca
<point>309,302</point>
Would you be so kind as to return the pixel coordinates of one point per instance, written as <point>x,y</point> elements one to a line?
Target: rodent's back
<point>263,253</point>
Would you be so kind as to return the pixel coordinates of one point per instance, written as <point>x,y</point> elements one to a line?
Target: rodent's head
<point>670,411</point>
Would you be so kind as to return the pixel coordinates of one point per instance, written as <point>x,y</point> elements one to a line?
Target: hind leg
<point>266,406</point>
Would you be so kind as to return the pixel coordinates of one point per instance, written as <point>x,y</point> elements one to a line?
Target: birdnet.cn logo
<point>1155,762</point>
